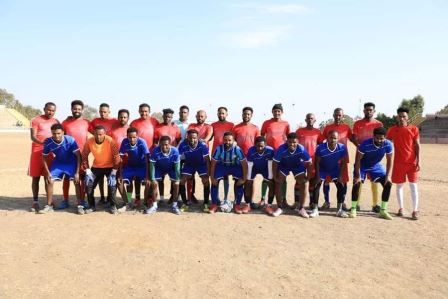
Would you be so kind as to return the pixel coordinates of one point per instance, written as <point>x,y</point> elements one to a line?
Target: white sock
<point>414,195</point>
<point>400,195</point>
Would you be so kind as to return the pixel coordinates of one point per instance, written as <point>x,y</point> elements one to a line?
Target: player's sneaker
<point>80,210</point>
<point>63,205</point>
<point>151,210</point>
<point>277,212</point>
<point>269,210</point>
<point>414,215</point>
<point>314,213</point>
<point>35,207</point>
<point>353,213</point>
<point>302,213</point>
<point>385,215</point>
<point>237,209</point>
<point>246,209</point>
<point>253,206</point>
<point>84,204</point>
<point>261,204</point>
<point>175,209</point>
<point>344,207</point>
<point>137,203</point>
<point>184,208</point>
<point>90,210</point>
<point>325,206</point>
<point>46,209</point>
<point>113,210</point>
<point>213,208</point>
<point>376,209</point>
<point>400,213</point>
<point>341,213</point>
<point>205,208</point>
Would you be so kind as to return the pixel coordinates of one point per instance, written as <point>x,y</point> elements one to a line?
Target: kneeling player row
<point>138,165</point>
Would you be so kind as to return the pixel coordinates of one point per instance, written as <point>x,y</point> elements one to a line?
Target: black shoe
<point>102,200</point>
<point>254,206</point>
<point>376,209</point>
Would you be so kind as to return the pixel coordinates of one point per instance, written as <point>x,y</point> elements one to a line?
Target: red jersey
<point>219,128</point>
<point>171,130</point>
<point>106,123</point>
<point>145,128</point>
<point>245,135</point>
<point>345,133</point>
<point>119,133</point>
<point>203,129</point>
<point>363,129</point>
<point>41,126</point>
<point>309,138</point>
<point>275,131</point>
<point>404,139</point>
<point>78,128</point>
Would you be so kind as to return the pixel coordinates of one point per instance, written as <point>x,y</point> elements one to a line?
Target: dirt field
<point>223,255</point>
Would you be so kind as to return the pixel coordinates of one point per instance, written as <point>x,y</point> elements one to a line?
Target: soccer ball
<point>226,206</point>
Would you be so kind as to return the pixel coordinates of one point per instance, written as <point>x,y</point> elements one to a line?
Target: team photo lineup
<point>134,158</point>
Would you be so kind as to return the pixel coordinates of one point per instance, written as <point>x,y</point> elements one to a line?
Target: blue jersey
<point>231,157</point>
<point>63,151</point>
<point>162,161</point>
<point>290,160</point>
<point>193,156</point>
<point>260,160</point>
<point>329,159</point>
<point>136,153</point>
<point>372,153</point>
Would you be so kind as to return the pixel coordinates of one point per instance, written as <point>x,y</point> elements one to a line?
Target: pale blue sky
<point>310,55</point>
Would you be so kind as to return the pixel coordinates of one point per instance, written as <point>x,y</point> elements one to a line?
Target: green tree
<point>386,120</point>
<point>9,100</point>
<point>346,120</point>
<point>415,106</point>
<point>158,116</point>
<point>90,112</point>
<point>443,111</point>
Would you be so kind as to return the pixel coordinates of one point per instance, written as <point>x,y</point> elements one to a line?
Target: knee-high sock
<point>214,195</point>
<point>400,195</point>
<point>183,193</point>
<point>226,188</point>
<point>65,188</point>
<point>284,186</point>
<point>414,195</point>
<point>206,194</point>
<point>264,189</point>
<point>375,195</point>
<point>239,191</point>
<point>327,192</point>
<point>341,191</point>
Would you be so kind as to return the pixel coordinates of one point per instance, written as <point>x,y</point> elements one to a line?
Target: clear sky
<point>312,56</point>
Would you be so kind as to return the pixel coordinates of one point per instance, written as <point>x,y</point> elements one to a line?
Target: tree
<point>415,106</point>
<point>443,111</point>
<point>347,119</point>
<point>9,100</point>
<point>158,116</point>
<point>386,120</point>
<point>90,112</point>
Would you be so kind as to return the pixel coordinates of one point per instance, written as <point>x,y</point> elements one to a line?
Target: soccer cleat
<point>113,210</point>
<point>254,206</point>
<point>376,209</point>
<point>175,209</point>
<point>277,212</point>
<point>151,210</point>
<point>385,215</point>
<point>213,208</point>
<point>344,208</point>
<point>35,207</point>
<point>314,213</point>
<point>269,210</point>
<point>63,205</point>
<point>400,213</point>
<point>90,210</point>
<point>184,208</point>
<point>246,209</point>
<point>352,213</point>
<point>325,206</point>
<point>205,208</point>
<point>414,215</point>
<point>302,213</point>
<point>237,209</point>
<point>46,209</point>
<point>341,213</point>
<point>80,210</point>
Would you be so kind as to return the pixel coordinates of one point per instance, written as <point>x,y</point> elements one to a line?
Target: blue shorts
<point>332,174</point>
<point>374,173</point>
<point>222,171</point>
<point>296,170</point>
<point>191,169</point>
<point>160,173</point>
<point>58,171</point>
<point>263,171</point>
<point>130,173</point>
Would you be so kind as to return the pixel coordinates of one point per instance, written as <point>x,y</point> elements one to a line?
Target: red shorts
<point>36,167</point>
<point>402,170</point>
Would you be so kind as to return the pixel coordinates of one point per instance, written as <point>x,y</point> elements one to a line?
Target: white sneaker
<point>314,213</point>
<point>46,209</point>
<point>277,212</point>
<point>303,213</point>
<point>341,213</point>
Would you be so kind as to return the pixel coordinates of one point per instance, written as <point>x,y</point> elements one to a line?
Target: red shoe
<point>269,210</point>
<point>246,209</point>
<point>213,209</point>
<point>237,209</point>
